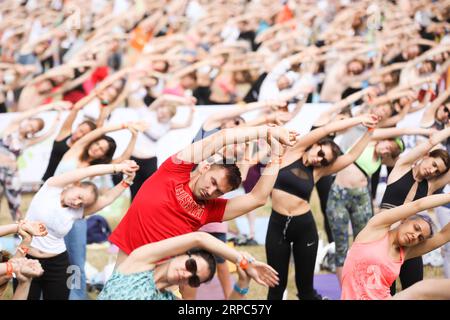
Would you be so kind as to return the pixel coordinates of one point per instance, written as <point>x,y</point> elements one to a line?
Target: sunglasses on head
<point>191,266</point>
<point>324,162</point>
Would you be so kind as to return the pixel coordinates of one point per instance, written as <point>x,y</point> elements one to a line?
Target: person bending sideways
<point>142,275</point>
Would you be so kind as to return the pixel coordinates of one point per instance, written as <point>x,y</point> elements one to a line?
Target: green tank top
<point>366,163</point>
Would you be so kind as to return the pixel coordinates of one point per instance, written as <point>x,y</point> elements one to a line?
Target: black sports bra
<point>396,192</point>
<point>296,179</point>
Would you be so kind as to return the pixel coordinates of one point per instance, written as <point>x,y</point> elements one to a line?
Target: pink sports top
<point>369,271</point>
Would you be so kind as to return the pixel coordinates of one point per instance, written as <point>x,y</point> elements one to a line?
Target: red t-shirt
<point>164,208</point>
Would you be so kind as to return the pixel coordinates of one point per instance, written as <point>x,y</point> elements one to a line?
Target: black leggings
<point>411,272</point>
<point>323,187</point>
<point>52,285</point>
<point>146,168</point>
<point>301,232</point>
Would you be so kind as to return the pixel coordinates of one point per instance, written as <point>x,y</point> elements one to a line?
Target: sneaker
<point>251,242</point>
<point>240,240</point>
<point>313,296</point>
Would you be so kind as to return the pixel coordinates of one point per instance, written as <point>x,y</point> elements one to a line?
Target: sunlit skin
<point>312,158</point>
<point>77,197</point>
<point>44,87</point>
<point>187,82</point>
<point>109,94</point>
<point>80,132</point>
<point>355,68</point>
<point>283,83</point>
<point>29,127</point>
<point>209,183</point>
<point>425,68</point>
<point>176,273</point>
<point>411,232</point>
<point>98,149</point>
<point>383,111</point>
<point>159,65</point>
<point>430,168</point>
<point>163,114</point>
<point>386,148</point>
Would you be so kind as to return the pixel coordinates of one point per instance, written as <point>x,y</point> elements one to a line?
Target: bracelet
<point>243,263</point>
<point>125,184</point>
<point>240,290</point>
<point>114,169</point>
<point>9,269</point>
<point>24,250</point>
<point>124,126</point>
<point>370,129</point>
<point>276,160</point>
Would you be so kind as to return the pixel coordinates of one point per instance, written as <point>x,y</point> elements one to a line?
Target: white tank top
<point>46,207</point>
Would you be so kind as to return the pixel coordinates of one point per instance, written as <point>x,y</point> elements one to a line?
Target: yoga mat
<point>210,291</point>
<point>327,285</point>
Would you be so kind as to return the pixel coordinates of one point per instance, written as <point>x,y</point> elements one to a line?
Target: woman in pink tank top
<point>374,260</point>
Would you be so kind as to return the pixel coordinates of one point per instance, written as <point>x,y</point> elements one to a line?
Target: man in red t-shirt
<point>173,202</point>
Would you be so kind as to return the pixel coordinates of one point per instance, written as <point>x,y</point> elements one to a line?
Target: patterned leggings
<point>11,187</point>
<point>344,205</point>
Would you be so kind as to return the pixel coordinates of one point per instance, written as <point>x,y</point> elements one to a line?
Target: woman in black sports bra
<point>415,175</point>
<point>291,221</point>
<point>437,115</point>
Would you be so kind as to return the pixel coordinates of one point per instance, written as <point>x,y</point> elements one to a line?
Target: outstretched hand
<point>33,228</point>
<point>129,167</point>
<point>29,269</point>
<point>282,135</point>
<point>262,273</point>
<point>369,120</point>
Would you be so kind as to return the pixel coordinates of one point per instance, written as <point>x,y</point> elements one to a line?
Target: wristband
<point>276,160</point>
<point>243,264</point>
<point>9,269</point>
<point>240,290</point>
<point>24,250</point>
<point>125,184</point>
<point>370,129</point>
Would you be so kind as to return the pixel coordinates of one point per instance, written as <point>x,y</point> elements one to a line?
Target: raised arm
<point>258,196</point>
<point>386,218</point>
<point>79,146</point>
<point>45,136</point>
<point>346,159</point>
<point>187,123</point>
<point>326,116</point>
<point>203,149</point>
<point>438,240</point>
<point>130,148</point>
<point>32,112</point>
<point>128,168</point>
<point>82,173</point>
<point>430,112</point>
<point>156,251</point>
<point>423,148</point>
<point>215,120</point>
<point>389,133</point>
<point>319,133</point>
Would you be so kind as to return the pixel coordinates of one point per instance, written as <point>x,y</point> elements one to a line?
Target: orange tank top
<point>369,271</point>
